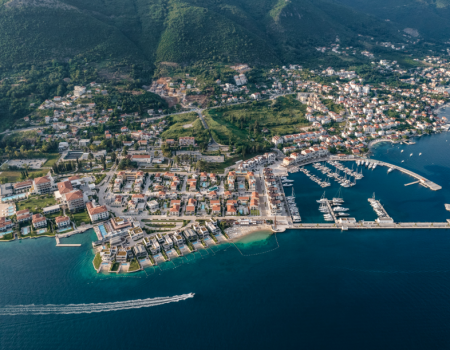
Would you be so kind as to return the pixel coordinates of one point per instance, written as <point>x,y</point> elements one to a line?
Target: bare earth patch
<point>187,126</point>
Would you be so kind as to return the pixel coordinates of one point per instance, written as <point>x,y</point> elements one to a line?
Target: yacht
<point>410,154</point>
<point>338,209</point>
<point>401,151</point>
<point>389,170</point>
<point>342,214</point>
<point>374,166</point>
<point>420,154</point>
<point>322,199</point>
<point>287,185</point>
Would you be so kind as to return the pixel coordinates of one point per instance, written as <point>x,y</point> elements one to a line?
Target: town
<point>164,182</point>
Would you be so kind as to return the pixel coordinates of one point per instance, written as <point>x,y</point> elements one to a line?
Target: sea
<point>301,289</point>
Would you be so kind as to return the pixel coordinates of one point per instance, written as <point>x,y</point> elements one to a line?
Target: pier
<point>58,244</point>
<point>412,183</point>
<point>367,225</point>
<point>421,180</point>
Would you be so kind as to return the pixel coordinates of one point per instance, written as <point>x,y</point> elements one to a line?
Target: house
<point>74,200</point>
<point>168,243</point>
<point>190,207</point>
<point>23,215</point>
<point>43,184</point>
<point>153,205</point>
<point>39,221</point>
<point>141,158</point>
<point>190,235</point>
<point>24,186</point>
<point>140,252</point>
<point>97,212</point>
<point>186,141</point>
<point>154,247</point>
<point>5,224</point>
<point>136,233</point>
<point>212,226</point>
<point>62,221</point>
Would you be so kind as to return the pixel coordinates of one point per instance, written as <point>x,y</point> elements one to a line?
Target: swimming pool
<point>64,229</point>
<point>5,233</point>
<point>203,206</point>
<point>42,230</point>
<point>102,230</point>
<point>16,196</point>
<point>241,186</point>
<point>26,230</point>
<point>213,189</point>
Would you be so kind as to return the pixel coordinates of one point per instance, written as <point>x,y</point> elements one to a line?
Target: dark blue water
<point>318,290</point>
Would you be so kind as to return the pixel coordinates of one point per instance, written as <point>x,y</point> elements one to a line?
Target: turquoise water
<point>385,289</point>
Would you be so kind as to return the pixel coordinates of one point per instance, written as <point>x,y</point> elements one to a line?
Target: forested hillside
<point>430,18</point>
<point>182,31</point>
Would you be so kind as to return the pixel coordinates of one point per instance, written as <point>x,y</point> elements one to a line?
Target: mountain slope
<point>429,17</point>
<point>182,31</point>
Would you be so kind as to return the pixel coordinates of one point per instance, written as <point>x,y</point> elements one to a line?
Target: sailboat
<point>322,199</point>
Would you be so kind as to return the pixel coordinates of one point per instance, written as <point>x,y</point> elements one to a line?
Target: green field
<point>36,203</point>
<point>244,122</point>
<point>80,217</point>
<point>52,158</point>
<point>186,125</point>
<point>15,176</point>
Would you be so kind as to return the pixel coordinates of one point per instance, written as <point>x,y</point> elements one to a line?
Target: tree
<point>176,160</point>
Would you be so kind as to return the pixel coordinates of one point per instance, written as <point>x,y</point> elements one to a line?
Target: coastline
<point>238,233</point>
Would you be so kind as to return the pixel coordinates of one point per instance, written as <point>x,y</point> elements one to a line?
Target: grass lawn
<point>97,260</point>
<point>52,158</point>
<point>7,237</point>
<point>14,176</point>
<point>39,201</point>
<point>284,116</point>
<point>134,265</point>
<point>254,212</point>
<point>115,267</point>
<point>80,217</point>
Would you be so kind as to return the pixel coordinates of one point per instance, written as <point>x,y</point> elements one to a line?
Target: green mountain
<point>181,31</point>
<point>428,18</point>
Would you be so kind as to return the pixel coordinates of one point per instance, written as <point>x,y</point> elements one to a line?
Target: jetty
<point>421,180</point>
<point>367,225</point>
<point>68,234</point>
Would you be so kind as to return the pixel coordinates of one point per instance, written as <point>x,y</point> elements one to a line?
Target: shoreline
<point>237,233</point>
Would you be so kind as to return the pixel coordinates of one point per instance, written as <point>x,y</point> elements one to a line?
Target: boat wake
<point>50,309</point>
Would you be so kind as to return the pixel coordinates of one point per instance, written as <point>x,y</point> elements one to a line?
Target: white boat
<point>339,209</point>
<point>420,154</point>
<point>389,170</point>
<point>288,180</point>
<point>402,161</point>
<point>322,199</point>
<point>343,214</point>
<point>410,154</point>
<point>287,185</point>
<point>374,165</point>
<point>401,151</point>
